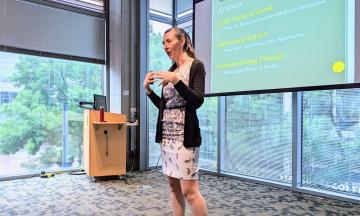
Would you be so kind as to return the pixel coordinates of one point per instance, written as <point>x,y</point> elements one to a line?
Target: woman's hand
<point>148,80</point>
<point>167,77</point>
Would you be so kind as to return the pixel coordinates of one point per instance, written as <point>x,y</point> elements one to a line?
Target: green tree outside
<point>33,121</point>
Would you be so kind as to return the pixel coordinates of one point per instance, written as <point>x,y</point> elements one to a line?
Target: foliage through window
<point>331,140</point>
<point>158,61</point>
<point>33,130</point>
<point>259,136</point>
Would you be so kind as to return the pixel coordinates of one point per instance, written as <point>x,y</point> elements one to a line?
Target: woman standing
<point>178,126</point>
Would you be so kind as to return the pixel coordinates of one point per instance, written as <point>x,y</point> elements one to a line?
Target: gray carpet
<point>147,194</point>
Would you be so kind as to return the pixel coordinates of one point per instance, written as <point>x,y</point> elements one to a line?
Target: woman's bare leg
<point>177,198</point>
<point>191,192</point>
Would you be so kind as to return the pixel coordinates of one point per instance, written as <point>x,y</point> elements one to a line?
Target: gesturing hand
<point>148,80</point>
<point>167,77</point>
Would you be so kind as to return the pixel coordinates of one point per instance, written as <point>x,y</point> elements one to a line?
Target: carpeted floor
<point>147,194</point>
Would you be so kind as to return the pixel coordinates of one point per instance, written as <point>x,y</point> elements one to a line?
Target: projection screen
<point>255,45</point>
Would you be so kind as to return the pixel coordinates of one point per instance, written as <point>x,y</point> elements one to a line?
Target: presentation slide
<point>261,45</point>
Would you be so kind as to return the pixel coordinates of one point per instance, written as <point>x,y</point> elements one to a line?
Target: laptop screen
<point>100,100</point>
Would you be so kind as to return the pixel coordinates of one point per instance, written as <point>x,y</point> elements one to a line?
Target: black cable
<point>107,142</point>
<point>133,161</point>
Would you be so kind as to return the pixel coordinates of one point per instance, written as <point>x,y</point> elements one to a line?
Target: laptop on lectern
<point>100,100</point>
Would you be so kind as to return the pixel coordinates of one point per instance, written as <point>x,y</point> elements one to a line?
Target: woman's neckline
<point>187,62</point>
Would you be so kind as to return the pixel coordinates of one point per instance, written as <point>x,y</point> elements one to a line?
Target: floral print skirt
<point>178,161</point>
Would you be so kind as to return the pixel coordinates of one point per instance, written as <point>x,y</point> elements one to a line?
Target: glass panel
<point>208,114</point>
<point>94,2</point>
<point>96,5</point>
<point>183,5</point>
<point>158,60</point>
<point>184,9</point>
<point>163,6</point>
<point>259,136</point>
<point>330,140</point>
<point>41,124</point>
<point>185,14</point>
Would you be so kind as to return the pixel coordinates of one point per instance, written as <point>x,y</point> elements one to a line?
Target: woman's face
<point>172,45</point>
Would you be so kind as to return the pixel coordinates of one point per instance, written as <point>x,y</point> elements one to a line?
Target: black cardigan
<point>194,97</point>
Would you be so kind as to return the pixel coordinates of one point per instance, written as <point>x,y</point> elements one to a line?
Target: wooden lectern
<point>104,144</point>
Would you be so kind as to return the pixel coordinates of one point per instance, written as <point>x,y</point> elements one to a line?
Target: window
<point>330,140</point>
<point>158,60</point>
<point>34,133</point>
<point>161,18</point>
<point>161,8</point>
<point>184,9</point>
<point>94,5</point>
<point>7,97</point>
<point>208,116</point>
<point>258,139</point>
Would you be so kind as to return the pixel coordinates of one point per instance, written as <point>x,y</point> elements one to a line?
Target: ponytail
<point>188,47</point>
